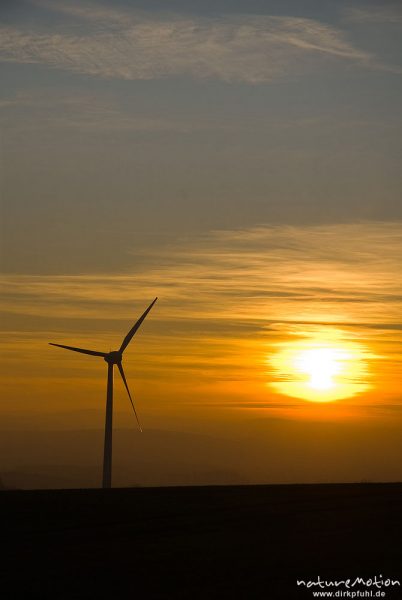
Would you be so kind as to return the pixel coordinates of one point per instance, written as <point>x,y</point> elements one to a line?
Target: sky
<point>241,161</point>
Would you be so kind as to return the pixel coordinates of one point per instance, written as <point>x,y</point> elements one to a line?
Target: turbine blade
<point>133,330</point>
<point>82,350</point>
<point>128,392</point>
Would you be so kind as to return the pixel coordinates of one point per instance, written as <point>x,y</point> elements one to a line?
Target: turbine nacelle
<point>114,358</point>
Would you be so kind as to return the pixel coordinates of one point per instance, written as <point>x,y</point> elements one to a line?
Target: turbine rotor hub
<point>114,357</point>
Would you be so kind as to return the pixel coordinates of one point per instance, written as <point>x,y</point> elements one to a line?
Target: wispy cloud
<point>266,274</point>
<point>133,45</point>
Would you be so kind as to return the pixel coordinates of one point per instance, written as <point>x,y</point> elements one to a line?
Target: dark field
<point>199,542</point>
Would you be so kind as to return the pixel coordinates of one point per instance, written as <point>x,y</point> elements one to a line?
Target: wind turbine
<point>112,358</point>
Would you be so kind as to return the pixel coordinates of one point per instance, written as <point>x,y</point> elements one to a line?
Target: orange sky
<point>206,358</point>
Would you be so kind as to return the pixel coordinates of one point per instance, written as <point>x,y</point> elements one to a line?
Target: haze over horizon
<point>241,161</point>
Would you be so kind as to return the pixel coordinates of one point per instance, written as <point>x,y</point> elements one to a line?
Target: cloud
<point>346,273</point>
<point>134,46</point>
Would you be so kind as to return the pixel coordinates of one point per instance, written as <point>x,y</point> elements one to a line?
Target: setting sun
<point>319,371</point>
<point>321,364</point>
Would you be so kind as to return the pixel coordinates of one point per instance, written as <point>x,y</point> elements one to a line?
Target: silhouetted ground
<point>199,542</point>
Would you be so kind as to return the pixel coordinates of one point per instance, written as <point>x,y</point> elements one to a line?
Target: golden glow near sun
<point>319,371</point>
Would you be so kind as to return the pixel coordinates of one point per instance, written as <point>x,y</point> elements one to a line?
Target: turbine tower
<point>112,358</point>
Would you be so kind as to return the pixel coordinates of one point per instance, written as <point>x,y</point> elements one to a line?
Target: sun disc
<point>321,364</point>
<point>319,372</point>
